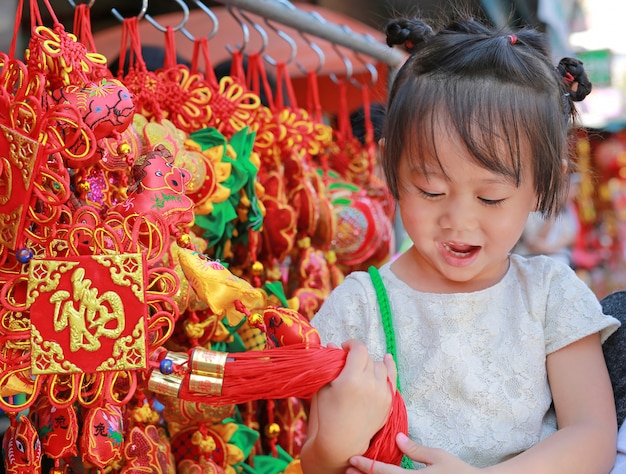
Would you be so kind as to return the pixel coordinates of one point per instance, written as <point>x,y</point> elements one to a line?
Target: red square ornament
<point>20,157</point>
<point>88,313</point>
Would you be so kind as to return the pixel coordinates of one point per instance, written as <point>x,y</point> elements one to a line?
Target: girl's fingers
<point>392,371</point>
<point>361,465</point>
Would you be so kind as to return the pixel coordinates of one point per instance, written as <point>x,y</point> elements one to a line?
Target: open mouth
<point>460,250</point>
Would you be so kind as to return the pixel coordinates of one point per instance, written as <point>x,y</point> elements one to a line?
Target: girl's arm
<point>585,442</point>
<point>587,424</point>
<point>347,413</point>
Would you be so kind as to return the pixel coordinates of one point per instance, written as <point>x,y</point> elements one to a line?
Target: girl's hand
<point>357,403</point>
<point>437,461</point>
<point>347,413</point>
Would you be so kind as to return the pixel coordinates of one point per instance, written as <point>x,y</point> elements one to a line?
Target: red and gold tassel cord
<point>300,370</point>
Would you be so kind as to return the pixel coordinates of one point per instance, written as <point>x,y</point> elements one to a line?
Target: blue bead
<point>24,255</point>
<point>166,366</point>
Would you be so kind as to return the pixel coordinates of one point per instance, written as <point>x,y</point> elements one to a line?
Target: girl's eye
<point>492,202</point>
<point>428,195</point>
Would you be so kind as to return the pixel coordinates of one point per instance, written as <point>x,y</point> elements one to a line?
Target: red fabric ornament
<point>101,439</point>
<point>57,427</point>
<point>183,95</point>
<point>158,191</point>
<point>147,450</point>
<point>363,228</point>
<point>106,109</point>
<point>21,447</point>
<point>286,327</point>
<point>30,135</point>
<point>202,445</point>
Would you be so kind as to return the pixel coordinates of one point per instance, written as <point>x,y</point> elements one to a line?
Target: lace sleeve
<point>573,311</point>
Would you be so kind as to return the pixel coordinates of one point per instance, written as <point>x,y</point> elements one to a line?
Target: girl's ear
<point>381,146</point>
<point>564,166</point>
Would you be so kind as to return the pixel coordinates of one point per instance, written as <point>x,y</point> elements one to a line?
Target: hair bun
<point>575,78</point>
<point>408,32</point>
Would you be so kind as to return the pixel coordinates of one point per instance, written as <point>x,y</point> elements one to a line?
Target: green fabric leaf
<point>266,464</point>
<point>276,288</point>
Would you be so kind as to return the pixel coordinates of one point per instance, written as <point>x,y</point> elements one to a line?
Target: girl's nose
<point>459,215</point>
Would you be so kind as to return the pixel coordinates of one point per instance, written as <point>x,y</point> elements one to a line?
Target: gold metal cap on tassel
<point>205,384</point>
<point>165,384</point>
<point>207,362</point>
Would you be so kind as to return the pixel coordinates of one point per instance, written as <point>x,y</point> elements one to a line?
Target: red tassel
<point>291,371</point>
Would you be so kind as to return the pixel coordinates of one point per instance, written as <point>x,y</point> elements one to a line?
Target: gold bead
<point>84,187</point>
<point>255,320</point>
<point>257,268</point>
<point>272,430</point>
<point>123,149</point>
<point>183,240</point>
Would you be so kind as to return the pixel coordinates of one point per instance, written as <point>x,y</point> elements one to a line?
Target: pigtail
<point>575,82</point>
<point>409,32</point>
<point>574,78</point>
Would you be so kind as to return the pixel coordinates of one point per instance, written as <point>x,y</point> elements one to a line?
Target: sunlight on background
<point>605,22</point>
<point>602,47</point>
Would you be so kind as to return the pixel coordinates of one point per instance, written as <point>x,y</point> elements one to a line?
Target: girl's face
<point>462,225</point>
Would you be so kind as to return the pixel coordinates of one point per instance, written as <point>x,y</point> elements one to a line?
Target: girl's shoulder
<point>541,270</point>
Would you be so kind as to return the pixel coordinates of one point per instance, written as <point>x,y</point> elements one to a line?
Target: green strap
<point>390,335</point>
<point>385,311</point>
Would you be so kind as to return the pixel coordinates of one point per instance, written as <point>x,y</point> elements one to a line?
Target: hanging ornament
<point>58,430</point>
<point>102,437</point>
<point>21,447</point>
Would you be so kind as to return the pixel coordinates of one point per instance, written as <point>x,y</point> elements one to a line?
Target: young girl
<point>499,356</point>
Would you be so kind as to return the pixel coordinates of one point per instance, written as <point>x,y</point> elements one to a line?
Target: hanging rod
<point>309,23</point>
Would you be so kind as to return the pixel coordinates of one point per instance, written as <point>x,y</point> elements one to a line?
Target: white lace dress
<point>472,365</point>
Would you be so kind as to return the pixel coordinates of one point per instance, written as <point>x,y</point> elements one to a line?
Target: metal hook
<point>373,74</point>
<point>288,39</point>
<point>318,51</point>
<point>244,28</point>
<point>89,5</point>
<point>142,12</point>
<point>181,25</point>
<point>258,28</point>
<point>346,62</point>
<point>211,15</point>
<point>368,64</point>
<point>313,46</point>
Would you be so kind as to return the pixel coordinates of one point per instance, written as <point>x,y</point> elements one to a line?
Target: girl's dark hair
<point>496,89</point>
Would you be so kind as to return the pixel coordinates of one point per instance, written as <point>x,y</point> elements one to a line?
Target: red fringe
<point>296,371</point>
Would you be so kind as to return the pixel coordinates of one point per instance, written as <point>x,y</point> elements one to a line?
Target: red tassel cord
<point>299,370</point>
